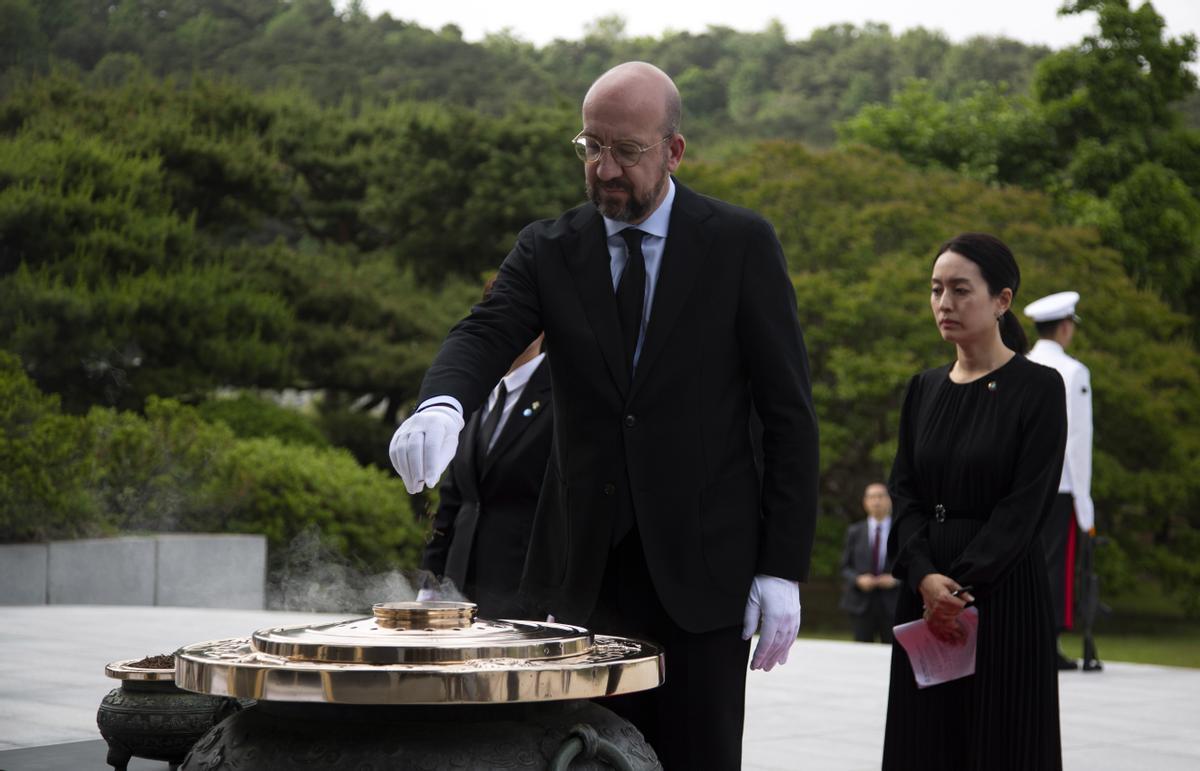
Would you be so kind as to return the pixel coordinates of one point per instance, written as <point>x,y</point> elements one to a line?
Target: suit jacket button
<point>630,421</point>
<point>610,488</point>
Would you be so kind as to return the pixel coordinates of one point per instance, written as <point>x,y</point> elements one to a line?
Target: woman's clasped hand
<point>944,603</point>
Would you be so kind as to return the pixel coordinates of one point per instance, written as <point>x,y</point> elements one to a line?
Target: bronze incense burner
<point>421,685</point>
<point>150,717</point>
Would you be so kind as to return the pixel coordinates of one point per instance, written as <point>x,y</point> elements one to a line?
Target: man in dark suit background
<point>490,491</point>
<point>666,314</point>
<point>870,592</point>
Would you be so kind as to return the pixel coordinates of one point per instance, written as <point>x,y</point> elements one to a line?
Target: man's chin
<point>613,208</point>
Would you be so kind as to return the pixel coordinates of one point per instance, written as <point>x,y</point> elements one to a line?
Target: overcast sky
<point>541,21</point>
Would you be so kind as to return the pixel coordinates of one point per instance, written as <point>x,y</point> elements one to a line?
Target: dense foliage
<point>64,476</point>
<point>736,85</point>
<point>1102,130</point>
<point>159,239</point>
<point>860,229</point>
<point>198,195</point>
<point>251,416</point>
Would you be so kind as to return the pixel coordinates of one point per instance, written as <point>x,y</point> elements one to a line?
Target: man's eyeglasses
<point>625,152</point>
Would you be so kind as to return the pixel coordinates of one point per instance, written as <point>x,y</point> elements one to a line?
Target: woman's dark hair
<point>1000,271</point>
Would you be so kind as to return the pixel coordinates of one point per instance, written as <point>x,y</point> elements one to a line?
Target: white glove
<point>776,601</point>
<point>424,445</point>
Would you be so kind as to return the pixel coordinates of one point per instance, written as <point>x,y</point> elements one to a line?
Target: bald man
<point>666,314</point>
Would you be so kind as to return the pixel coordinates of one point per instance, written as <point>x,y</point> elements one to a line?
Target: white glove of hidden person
<point>424,445</point>
<point>776,603</point>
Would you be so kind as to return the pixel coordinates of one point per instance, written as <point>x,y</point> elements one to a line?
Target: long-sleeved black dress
<point>976,470</point>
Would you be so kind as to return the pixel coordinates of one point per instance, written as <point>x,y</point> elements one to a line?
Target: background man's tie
<point>876,531</point>
<point>490,421</point>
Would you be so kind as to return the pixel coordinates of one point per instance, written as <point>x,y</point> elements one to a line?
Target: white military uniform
<point>1077,462</point>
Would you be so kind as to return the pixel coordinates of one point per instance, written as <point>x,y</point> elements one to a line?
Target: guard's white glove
<point>776,602</point>
<point>424,445</point>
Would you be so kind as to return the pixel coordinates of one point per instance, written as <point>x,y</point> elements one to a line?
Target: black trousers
<point>1059,543</point>
<point>694,720</point>
<point>875,623</point>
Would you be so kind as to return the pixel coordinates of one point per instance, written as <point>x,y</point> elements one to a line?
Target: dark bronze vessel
<point>421,686</point>
<point>150,717</point>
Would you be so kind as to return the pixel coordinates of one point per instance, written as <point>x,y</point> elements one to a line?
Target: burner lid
<point>421,653</point>
<point>422,633</point>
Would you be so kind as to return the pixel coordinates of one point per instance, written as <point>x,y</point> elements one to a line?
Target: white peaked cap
<point>1052,307</point>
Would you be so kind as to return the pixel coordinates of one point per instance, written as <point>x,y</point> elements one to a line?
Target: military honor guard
<point>1055,319</point>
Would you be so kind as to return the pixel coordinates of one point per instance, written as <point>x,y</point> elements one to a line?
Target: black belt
<point>942,513</point>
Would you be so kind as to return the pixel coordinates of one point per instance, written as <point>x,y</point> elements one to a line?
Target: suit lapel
<point>682,261</point>
<point>468,485</point>
<point>589,266</point>
<point>864,547</point>
<point>535,392</point>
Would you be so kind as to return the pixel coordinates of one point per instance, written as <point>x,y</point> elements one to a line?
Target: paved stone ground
<point>823,710</point>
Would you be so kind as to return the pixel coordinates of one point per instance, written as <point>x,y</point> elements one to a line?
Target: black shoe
<point>1093,665</point>
<point>1065,664</point>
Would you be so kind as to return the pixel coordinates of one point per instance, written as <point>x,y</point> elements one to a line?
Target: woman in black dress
<point>977,467</point>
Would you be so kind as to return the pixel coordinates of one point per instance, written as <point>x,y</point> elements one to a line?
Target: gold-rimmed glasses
<point>625,152</point>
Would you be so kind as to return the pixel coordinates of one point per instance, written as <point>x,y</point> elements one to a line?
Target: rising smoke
<point>313,576</point>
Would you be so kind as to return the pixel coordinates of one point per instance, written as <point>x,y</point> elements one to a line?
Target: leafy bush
<point>363,434</point>
<point>45,464</point>
<point>252,417</point>
<point>173,470</point>
<point>155,473</point>
<point>268,487</point>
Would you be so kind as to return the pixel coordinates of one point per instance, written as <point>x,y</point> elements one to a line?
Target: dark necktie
<point>490,421</point>
<point>875,530</point>
<point>631,293</point>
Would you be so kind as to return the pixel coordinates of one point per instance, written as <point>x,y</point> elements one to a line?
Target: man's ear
<point>675,148</point>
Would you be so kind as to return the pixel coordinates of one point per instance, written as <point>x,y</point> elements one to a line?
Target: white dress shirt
<point>653,243</point>
<point>1077,461</point>
<point>514,383</point>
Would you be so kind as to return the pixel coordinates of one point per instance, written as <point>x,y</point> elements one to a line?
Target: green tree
<point>107,291</point>
<point>860,229</point>
<point>1103,133</point>
<point>1121,83</point>
<point>1155,223</point>
<point>45,464</point>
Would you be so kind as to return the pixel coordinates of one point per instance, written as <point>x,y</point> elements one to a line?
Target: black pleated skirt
<point>1005,716</point>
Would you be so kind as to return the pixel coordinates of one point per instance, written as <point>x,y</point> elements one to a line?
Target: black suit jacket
<point>856,560</point>
<point>672,442</point>
<point>485,513</point>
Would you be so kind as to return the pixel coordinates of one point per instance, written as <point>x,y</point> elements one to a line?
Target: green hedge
<point>45,464</point>
<point>362,433</point>
<point>171,470</point>
<point>251,417</point>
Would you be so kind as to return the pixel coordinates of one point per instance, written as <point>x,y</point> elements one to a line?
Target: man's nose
<point>607,167</point>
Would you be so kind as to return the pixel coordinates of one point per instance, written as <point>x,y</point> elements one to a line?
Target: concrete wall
<point>23,574</point>
<point>208,571</point>
<point>186,570</point>
<point>102,571</point>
